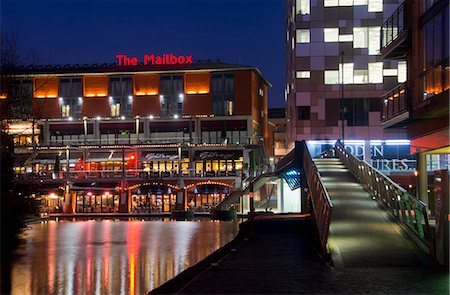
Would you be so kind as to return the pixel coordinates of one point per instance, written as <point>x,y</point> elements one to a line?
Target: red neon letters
<point>165,59</point>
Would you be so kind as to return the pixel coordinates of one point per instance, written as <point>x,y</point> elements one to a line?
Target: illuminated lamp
<point>89,193</point>
<point>151,117</point>
<point>416,173</point>
<point>98,118</point>
<point>175,116</point>
<point>132,157</point>
<point>122,117</point>
<point>70,119</point>
<point>396,95</point>
<point>402,91</point>
<point>106,193</point>
<point>181,96</point>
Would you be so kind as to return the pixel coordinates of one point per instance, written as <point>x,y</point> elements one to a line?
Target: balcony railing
<point>81,140</point>
<point>393,26</point>
<point>129,173</point>
<point>394,103</point>
<point>395,36</point>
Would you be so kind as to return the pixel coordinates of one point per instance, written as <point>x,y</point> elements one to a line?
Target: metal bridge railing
<point>406,208</point>
<point>322,206</point>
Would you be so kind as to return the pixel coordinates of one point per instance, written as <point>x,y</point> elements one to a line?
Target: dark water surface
<point>111,257</point>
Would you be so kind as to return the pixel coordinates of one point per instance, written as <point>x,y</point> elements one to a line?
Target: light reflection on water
<point>111,257</point>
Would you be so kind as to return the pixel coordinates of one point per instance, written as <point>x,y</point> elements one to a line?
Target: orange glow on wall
<point>146,84</point>
<point>46,87</point>
<point>197,83</point>
<point>95,86</point>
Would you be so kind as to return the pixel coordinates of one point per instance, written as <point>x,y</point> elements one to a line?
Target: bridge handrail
<point>406,208</point>
<point>321,202</point>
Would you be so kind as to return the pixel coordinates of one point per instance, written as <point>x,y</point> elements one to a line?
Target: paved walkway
<point>280,259</point>
<point>370,253</point>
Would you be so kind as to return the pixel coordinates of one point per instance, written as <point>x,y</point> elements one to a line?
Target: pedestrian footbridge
<point>363,219</point>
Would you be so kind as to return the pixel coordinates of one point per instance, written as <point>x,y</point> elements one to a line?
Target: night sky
<point>250,32</point>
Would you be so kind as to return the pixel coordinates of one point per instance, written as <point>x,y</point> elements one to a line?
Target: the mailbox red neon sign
<point>164,59</point>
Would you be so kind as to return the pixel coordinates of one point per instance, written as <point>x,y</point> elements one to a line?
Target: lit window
<point>115,109</point>
<point>302,7</point>
<point>261,92</point>
<point>65,110</point>
<point>346,38</point>
<point>348,73</point>
<point>345,2</point>
<point>401,71</point>
<point>374,40</point>
<point>331,77</point>
<point>287,36</point>
<point>360,37</point>
<point>331,34</point>
<point>330,3</point>
<point>292,44</point>
<point>229,107</point>
<point>360,77</point>
<point>303,36</point>
<point>390,72</point>
<point>302,74</point>
<point>376,72</point>
<point>375,5</point>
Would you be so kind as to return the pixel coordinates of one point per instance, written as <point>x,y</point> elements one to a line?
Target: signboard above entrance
<point>153,59</point>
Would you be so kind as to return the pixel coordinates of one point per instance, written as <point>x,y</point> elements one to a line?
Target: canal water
<point>111,257</point>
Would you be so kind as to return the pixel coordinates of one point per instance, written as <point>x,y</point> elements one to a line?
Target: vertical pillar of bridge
<point>69,203</point>
<point>422,178</point>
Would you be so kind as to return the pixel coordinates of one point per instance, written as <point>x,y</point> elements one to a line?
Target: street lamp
<point>341,102</point>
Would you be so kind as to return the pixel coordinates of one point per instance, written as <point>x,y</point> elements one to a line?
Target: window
<point>374,40</point>
<point>171,90</point>
<point>360,37</point>
<point>376,72</point>
<point>331,77</point>
<point>20,93</point>
<point>345,38</point>
<point>223,94</point>
<point>331,34</point>
<point>303,7</point>
<point>347,73</point>
<point>65,111</point>
<point>302,74</point>
<point>401,70</point>
<point>375,5</point>
<point>120,91</point>
<point>330,3</point>
<point>360,77</point>
<point>303,36</point>
<point>115,109</point>
<point>120,86</point>
<point>303,113</point>
<point>70,87</point>
<point>390,72</point>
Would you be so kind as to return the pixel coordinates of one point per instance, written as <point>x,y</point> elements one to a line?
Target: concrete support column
<point>96,131</point>
<point>46,136</point>
<point>179,205</point>
<point>124,201</point>
<point>69,203</point>
<point>422,178</point>
<point>146,129</point>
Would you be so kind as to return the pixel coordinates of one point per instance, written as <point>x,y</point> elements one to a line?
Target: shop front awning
<point>50,157</point>
<point>21,159</point>
<point>110,156</point>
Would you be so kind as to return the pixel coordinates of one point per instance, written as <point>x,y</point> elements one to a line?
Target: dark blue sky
<point>66,31</point>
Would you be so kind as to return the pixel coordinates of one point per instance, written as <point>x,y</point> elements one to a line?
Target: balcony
<point>395,111</point>
<point>395,33</point>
